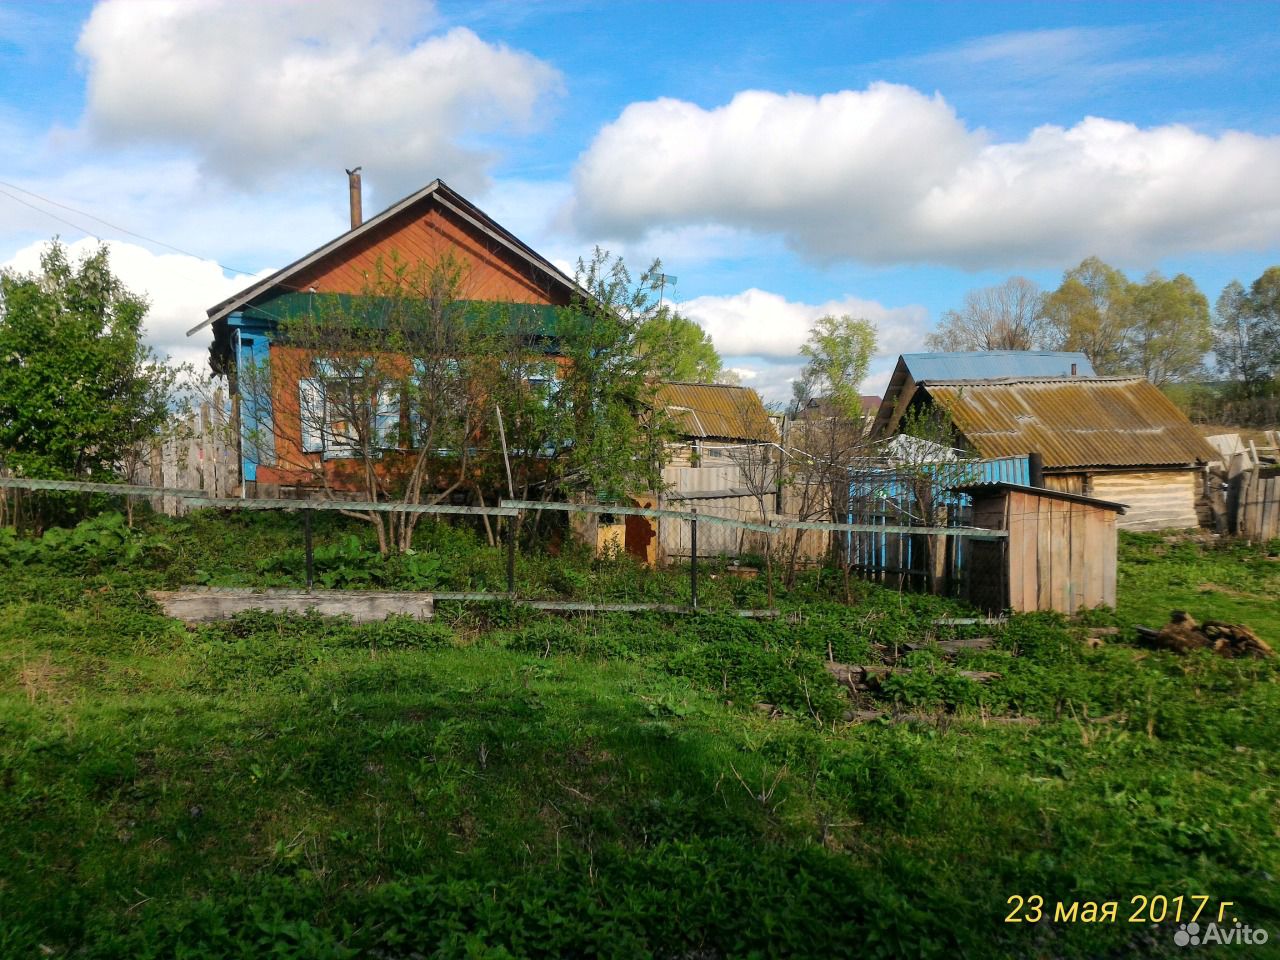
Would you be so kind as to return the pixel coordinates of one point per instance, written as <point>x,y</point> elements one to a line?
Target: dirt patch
<point>1228,591</point>
<point>39,678</point>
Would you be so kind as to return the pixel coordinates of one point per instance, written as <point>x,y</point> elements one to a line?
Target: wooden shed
<point>1060,553</point>
<point>1118,438</point>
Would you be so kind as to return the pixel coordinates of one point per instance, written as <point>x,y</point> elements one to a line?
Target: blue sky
<point>784,160</point>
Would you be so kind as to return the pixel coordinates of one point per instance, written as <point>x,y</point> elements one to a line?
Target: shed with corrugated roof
<point>1114,438</point>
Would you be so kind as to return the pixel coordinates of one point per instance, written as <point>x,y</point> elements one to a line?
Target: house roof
<point>1073,421</point>
<point>913,368</point>
<point>821,408</point>
<point>716,411</point>
<point>438,192</point>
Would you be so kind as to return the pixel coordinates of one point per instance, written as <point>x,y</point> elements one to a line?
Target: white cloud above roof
<point>892,175</point>
<point>759,334</point>
<point>759,323</point>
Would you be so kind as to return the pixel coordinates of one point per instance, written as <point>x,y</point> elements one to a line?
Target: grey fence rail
<point>510,509</point>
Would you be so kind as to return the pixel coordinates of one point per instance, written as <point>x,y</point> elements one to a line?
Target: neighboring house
<point>277,447</point>
<point>725,463</point>
<point>1117,439</point>
<point>819,408</point>
<point>914,368</point>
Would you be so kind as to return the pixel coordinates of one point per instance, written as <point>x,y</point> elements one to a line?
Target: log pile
<point>1182,635</point>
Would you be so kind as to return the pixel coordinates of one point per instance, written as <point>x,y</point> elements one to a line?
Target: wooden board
<point>201,606</point>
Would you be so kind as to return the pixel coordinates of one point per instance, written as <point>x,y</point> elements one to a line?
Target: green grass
<point>497,784</point>
<point>1217,579</point>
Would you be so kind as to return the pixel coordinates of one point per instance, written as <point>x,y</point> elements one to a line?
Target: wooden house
<point>724,462</point>
<point>276,445</point>
<point>1115,438</point>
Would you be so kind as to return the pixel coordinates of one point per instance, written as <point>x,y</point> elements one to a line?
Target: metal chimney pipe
<point>353,182</point>
<point>1035,469</point>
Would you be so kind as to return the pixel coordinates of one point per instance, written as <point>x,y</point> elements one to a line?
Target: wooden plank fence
<point>1253,503</point>
<point>198,454</point>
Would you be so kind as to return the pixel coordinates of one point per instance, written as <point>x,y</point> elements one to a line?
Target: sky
<point>784,161</point>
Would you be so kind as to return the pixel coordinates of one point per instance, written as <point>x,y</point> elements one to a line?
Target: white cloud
<point>180,290</point>
<point>890,175</point>
<point>261,91</point>
<point>759,323</point>
<point>759,334</point>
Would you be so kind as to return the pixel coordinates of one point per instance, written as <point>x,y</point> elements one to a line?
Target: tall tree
<point>1264,306</point>
<point>837,355</point>
<point>1009,316</point>
<point>826,431</point>
<point>676,348</point>
<point>1171,328</point>
<point>1243,345</point>
<point>391,387</point>
<point>616,439</point>
<point>78,387</point>
<point>1159,328</point>
<point>1092,311</point>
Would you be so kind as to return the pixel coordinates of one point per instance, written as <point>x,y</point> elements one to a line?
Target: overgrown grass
<point>498,783</point>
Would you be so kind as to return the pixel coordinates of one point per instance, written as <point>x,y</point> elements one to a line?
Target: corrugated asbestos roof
<point>713,411</point>
<point>1073,422</point>
<point>913,368</point>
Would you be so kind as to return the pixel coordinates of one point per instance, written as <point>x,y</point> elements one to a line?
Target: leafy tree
<point>837,355</point>
<point>826,432</point>
<point>1171,328</point>
<point>78,387</point>
<point>1158,328</point>
<point>1246,334</point>
<point>391,390</point>
<point>615,441</point>
<point>676,348</point>
<point>1009,316</point>
<point>1092,312</point>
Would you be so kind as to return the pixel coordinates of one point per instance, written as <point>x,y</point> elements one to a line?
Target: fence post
<point>693,558</point>
<point>306,533</point>
<point>511,556</point>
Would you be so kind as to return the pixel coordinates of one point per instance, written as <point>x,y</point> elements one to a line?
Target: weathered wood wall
<point>1255,501</point>
<point>1060,555</point>
<point>199,453</point>
<point>1157,500</point>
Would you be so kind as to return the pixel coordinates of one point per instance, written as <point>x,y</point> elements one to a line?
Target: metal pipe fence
<point>860,537</point>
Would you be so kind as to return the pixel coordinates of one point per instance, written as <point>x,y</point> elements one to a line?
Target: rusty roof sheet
<point>1073,422</point>
<point>715,411</point>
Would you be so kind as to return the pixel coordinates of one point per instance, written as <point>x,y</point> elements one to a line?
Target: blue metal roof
<point>994,364</point>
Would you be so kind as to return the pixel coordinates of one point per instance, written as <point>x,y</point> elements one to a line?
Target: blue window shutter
<point>311,410</point>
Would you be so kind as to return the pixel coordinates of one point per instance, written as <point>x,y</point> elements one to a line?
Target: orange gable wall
<point>493,273</point>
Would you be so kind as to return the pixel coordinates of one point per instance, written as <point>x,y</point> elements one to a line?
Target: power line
<point>74,226</point>
<point>108,223</point>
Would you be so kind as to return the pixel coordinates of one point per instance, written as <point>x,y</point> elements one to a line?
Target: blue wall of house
<point>251,343</point>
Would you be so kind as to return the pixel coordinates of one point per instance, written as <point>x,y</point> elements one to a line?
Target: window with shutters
<point>342,412</point>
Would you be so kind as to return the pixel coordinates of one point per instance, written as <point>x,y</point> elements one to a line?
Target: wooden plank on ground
<point>205,605</point>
